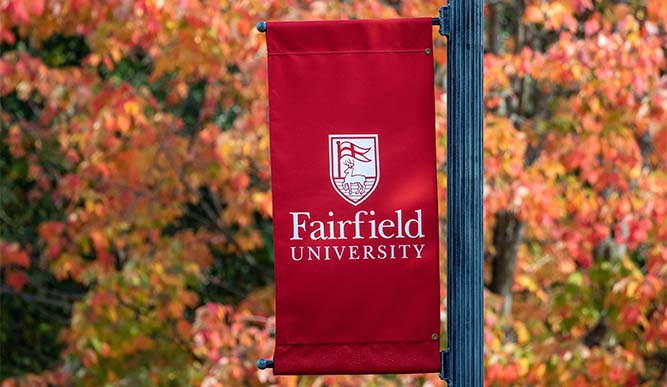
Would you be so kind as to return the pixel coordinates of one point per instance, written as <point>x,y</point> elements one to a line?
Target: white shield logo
<point>354,165</point>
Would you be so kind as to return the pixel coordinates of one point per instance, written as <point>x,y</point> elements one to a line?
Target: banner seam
<point>359,342</point>
<point>421,50</point>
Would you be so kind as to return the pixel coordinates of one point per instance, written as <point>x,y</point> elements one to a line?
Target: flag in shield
<point>354,166</point>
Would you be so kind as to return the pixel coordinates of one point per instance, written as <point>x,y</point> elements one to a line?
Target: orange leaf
<point>184,329</point>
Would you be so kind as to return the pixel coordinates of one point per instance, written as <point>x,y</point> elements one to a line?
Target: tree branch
<point>36,298</point>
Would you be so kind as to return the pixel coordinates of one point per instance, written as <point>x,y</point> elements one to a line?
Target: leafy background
<point>135,218</point>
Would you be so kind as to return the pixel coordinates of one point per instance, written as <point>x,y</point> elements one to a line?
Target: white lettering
<point>354,255</point>
<point>368,252</point>
<point>313,253</point>
<point>382,250</point>
<point>300,255</point>
<point>399,223</point>
<point>296,225</point>
<point>341,225</point>
<point>418,222</point>
<point>404,248</point>
<point>357,225</point>
<point>339,254</point>
<point>318,232</point>
<point>386,223</point>
<point>363,225</point>
<point>372,223</point>
<point>418,249</point>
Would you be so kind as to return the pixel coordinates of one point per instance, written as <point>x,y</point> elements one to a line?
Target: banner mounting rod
<point>442,21</point>
<point>263,364</point>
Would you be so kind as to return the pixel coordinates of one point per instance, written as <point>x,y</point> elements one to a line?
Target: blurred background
<point>135,218</point>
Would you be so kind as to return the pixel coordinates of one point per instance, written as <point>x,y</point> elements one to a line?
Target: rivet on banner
<point>434,336</point>
<point>428,51</point>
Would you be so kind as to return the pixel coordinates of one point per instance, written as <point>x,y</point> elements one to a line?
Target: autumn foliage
<point>135,220</point>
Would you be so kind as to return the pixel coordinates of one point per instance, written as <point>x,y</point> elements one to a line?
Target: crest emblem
<point>354,165</point>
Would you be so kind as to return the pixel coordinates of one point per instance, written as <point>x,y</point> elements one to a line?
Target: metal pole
<point>464,360</point>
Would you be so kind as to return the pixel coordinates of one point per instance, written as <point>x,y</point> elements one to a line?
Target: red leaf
<point>7,36</point>
<point>22,259</point>
<point>12,254</point>
<point>20,12</point>
<point>16,279</point>
<point>591,26</point>
<point>37,7</point>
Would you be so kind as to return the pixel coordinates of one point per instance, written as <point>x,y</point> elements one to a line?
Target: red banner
<point>354,196</point>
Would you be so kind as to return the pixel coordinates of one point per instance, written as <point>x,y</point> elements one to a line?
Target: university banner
<point>354,196</point>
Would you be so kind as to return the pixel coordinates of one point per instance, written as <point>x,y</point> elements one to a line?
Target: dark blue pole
<point>464,360</point>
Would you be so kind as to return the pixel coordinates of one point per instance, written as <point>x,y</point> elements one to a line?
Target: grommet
<point>427,51</point>
<point>434,336</point>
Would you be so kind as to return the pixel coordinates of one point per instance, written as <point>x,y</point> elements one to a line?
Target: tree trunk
<point>493,29</point>
<point>507,237</point>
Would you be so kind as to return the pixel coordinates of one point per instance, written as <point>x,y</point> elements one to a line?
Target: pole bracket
<point>443,20</point>
<point>445,367</point>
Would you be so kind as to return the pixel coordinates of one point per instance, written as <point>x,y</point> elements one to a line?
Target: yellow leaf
<point>522,334</point>
<point>631,289</point>
<point>131,108</point>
